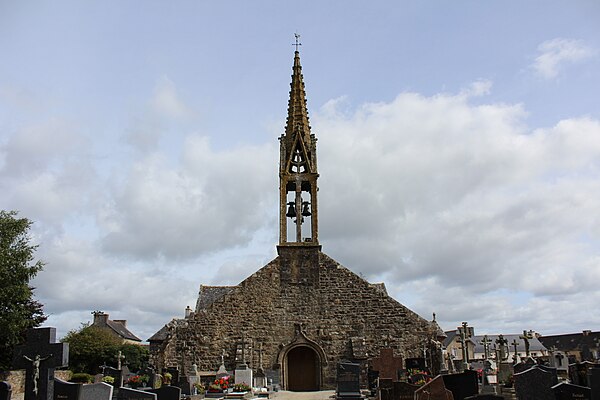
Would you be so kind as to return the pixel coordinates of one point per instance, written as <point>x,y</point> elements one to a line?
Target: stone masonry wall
<point>337,307</point>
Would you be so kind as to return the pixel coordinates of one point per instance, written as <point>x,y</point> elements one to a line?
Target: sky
<point>458,145</point>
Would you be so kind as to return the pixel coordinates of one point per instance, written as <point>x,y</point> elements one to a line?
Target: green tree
<point>91,346</point>
<point>18,310</point>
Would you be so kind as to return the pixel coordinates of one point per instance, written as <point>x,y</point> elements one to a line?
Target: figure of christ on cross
<point>35,362</point>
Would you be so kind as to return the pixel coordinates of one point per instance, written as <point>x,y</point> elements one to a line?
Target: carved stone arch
<point>301,344</point>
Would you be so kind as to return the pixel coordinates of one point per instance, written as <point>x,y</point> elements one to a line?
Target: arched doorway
<point>303,369</point>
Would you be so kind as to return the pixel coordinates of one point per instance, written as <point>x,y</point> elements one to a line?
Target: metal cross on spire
<point>297,36</point>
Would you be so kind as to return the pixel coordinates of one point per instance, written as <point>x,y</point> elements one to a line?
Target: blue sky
<point>459,151</point>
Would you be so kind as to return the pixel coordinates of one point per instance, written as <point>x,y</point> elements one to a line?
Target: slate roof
<point>122,331</point>
<point>572,341</point>
<point>534,344</point>
<point>160,335</point>
<point>450,335</point>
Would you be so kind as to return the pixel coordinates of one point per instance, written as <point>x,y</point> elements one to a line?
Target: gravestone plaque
<point>568,391</point>
<point>386,364</point>
<point>66,390</point>
<point>348,377</point>
<point>167,393</point>
<point>462,385</point>
<point>5,390</point>
<point>404,391</point>
<point>39,356</point>
<point>535,383</point>
<point>434,390</point>
<point>97,391</point>
<point>132,394</point>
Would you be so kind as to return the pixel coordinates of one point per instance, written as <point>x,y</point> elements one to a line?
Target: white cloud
<point>166,101</point>
<point>554,54</point>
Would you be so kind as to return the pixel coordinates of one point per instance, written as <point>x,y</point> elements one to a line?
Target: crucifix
<point>526,336</point>
<point>465,332</point>
<point>486,342</point>
<point>515,344</point>
<point>39,356</point>
<point>502,348</point>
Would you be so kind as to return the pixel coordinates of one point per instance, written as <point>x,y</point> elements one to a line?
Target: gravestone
<point>568,391</point>
<point>39,356</point>
<point>167,393</point>
<point>348,381</point>
<point>524,365</point>
<point>97,391</point>
<point>133,394</point>
<point>174,374</point>
<point>578,372</point>
<point>185,385</point>
<point>386,364</point>
<point>404,391</point>
<point>416,363</point>
<point>66,390</point>
<point>385,389</point>
<point>434,390</point>
<point>462,385</point>
<point>594,381</point>
<point>535,383</point>
<point>485,396</point>
<point>116,374</point>
<point>260,379</point>
<point>5,390</point>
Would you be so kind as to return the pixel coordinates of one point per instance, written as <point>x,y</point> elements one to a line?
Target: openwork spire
<point>298,169</point>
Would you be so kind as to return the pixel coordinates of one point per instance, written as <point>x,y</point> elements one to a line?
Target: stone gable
<point>306,288</point>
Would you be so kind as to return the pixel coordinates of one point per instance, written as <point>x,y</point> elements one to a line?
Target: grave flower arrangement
<point>417,376</point>
<point>219,384</point>
<point>241,387</point>
<point>137,381</point>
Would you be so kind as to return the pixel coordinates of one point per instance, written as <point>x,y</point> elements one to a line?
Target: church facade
<point>303,312</point>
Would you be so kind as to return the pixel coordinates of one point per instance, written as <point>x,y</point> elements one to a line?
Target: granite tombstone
<point>386,364</point>
<point>462,385</point>
<point>348,381</point>
<point>404,391</point>
<point>568,391</point>
<point>535,383</point>
<point>124,393</point>
<point>434,390</point>
<point>5,390</point>
<point>97,391</point>
<point>594,381</point>
<point>167,393</point>
<point>66,390</point>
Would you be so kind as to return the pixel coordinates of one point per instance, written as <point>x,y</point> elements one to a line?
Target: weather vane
<point>297,35</point>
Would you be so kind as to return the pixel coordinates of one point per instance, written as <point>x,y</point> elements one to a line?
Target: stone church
<point>303,312</point>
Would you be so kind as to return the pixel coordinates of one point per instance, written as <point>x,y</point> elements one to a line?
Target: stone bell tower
<point>298,211</point>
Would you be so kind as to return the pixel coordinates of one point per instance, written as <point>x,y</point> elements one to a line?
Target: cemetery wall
<point>17,382</point>
<point>332,303</point>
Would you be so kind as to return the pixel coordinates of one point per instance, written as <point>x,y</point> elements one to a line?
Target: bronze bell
<point>291,212</point>
<point>305,210</point>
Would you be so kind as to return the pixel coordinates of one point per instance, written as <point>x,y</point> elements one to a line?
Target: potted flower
<point>241,387</point>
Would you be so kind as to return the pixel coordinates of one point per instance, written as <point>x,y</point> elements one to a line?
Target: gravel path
<point>322,395</point>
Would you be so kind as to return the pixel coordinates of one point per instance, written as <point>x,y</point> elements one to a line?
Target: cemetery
<point>305,323</point>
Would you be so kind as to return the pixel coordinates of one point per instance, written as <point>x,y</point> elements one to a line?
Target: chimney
<point>100,318</point>
<point>587,332</point>
<point>121,321</point>
<point>188,312</point>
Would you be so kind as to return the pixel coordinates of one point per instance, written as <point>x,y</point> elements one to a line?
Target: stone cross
<point>502,347</point>
<point>386,364</point>
<point>243,348</point>
<point>486,342</point>
<point>39,356</point>
<point>465,333</point>
<point>119,358</point>
<point>515,344</point>
<point>260,355</point>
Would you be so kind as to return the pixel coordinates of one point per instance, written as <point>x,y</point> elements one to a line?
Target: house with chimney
<point>117,327</point>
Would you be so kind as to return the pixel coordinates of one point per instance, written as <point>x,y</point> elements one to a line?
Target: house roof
<point>450,335</point>
<point>160,335</point>
<point>572,341</point>
<point>122,331</point>
<point>534,344</point>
